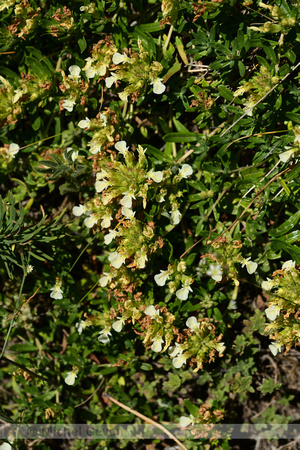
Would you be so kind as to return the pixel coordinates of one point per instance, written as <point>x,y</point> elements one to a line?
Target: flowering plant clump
<point>149,215</point>
<point>284,307</point>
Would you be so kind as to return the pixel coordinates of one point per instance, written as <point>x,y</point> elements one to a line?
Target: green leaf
<point>286,226</point>
<point>226,93</point>
<point>293,251</point>
<point>192,409</point>
<point>82,44</point>
<point>181,137</point>
<point>151,27</point>
<point>157,153</point>
<point>293,116</point>
<point>23,348</point>
<point>268,386</point>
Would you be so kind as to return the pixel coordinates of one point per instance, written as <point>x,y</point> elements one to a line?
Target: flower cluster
<point>284,307</point>
<point>73,88</point>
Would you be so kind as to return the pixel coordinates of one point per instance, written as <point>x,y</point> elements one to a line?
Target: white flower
<point>105,279</point>
<point>79,210</point>
<point>250,265</point>
<point>158,86</point>
<point>152,312</point>
<point>74,156</point>
<point>232,304</point>
<point>12,151</point>
<point>109,81</point>
<point>127,199</point>
<point>106,220</point>
<point>29,268</point>
<point>215,271</point>
<point>272,312</point>
<point>122,148</point>
<point>155,176</point>
<point>157,344</point>
<point>81,326</point>
<point>289,265</point>
<point>140,259</point>
<point>267,285</point>
<point>185,421</point>
<point>94,147</point>
<point>102,174</point>
<point>193,323</point>
<point>119,59</point>
<point>118,324</point>
<point>185,171</point>
<point>104,336</point>
<point>161,277</point>
<point>18,94</point>
<point>123,96</point>
<point>84,124</point>
<point>5,4</point>
<point>179,361</point>
<point>5,445</point>
<point>275,348</point>
<point>70,378</point>
<point>175,351</point>
<point>74,73</point>
<point>112,234</point>
<point>90,72</point>
<point>116,259</point>
<point>100,185</point>
<point>128,213</point>
<point>286,156</point>
<point>56,291</point>
<point>220,347</point>
<point>68,104</point>
<point>183,293</point>
<point>90,221</point>
<point>175,216</point>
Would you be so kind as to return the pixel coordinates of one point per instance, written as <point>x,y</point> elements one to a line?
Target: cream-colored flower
<point>116,259</point>
<point>68,104</point>
<point>100,185</point>
<point>128,213</point>
<point>220,347</point>
<point>109,81</point>
<point>118,324</point>
<point>289,265</point>
<point>251,266</point>
<point>104,336</point>
<point>79,210</point>
<point>122,148</point>
<point>105,279</point>
<point>74,73</point>
<point>185,421</point>
<point>268,284</point>
<point>275,348</point>
<point>85,123</point>
<point>71,376</point>
<point>185,171</point>
<point>179,360</point>
<point>175,216</point>
<point>127,199</point>
<point>162,277</point>
<point>90,221</point>
<point>155,176</point>
<point>158,86</point>
<point>110,236</point>
<point>272,312</point>
<point>106,220</point>
<point>12,151</point>
<point>193,324</point>
<point>157,344</point>
<point>215,271</point>
<point>183,293</point>
<point>176,350</point>
<point>119,59</point>
<point>56,291</point>
<point>152,312</point>
<point>287,155</point>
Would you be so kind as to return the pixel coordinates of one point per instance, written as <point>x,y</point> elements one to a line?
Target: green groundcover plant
<point>149,212</point>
